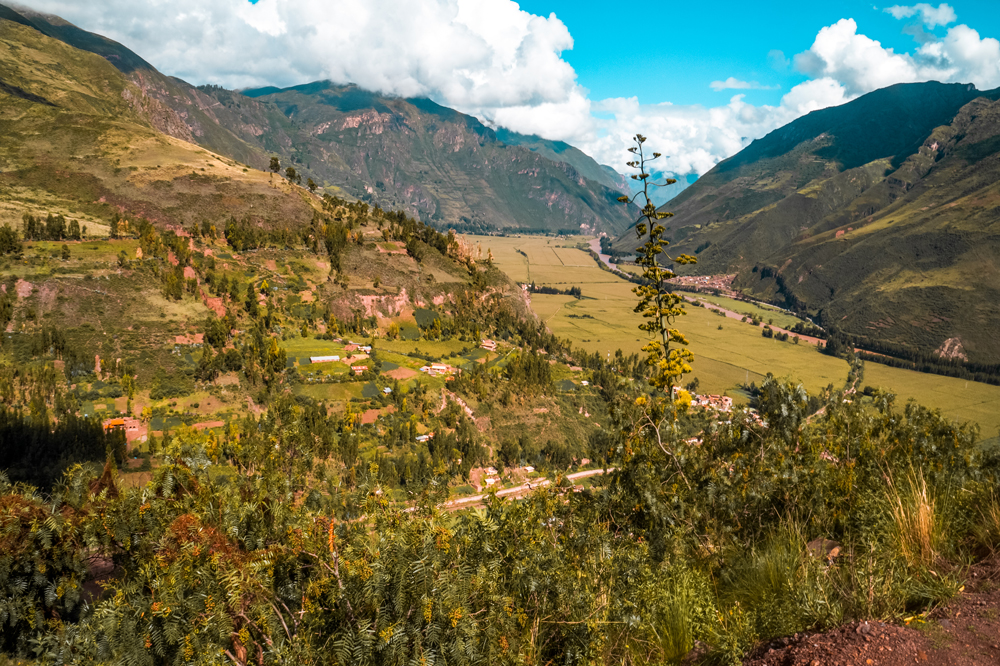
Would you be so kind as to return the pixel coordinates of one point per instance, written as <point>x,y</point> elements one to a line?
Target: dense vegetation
<point>298,533</point>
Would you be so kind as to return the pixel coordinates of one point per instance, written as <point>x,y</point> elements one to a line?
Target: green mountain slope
<point>560,151</point>
<point>78,138</point>
<point>879,217</point>
<point>435,163</point>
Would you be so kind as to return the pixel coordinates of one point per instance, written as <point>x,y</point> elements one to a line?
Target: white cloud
<point>931,16</point>
<point>504,65</point>
<point>476,55</point>
<point>693,139</point>
<point>732,83</point>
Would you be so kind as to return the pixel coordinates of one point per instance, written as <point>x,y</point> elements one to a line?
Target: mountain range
<point>435,163</point>
<point>880,218</point>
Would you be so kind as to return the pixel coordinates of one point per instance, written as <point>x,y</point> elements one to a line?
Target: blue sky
<point>589,73</point>
<point>701,42</point>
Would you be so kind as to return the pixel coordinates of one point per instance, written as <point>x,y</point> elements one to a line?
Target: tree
<point>9,242</point>
<point>64,252</point>
<point>657,303</point>
<point>290,173</point>
<point>275,165</point>
<point>311,184</point>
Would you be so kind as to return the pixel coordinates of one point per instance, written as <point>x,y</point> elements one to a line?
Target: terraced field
<point>603,321</point>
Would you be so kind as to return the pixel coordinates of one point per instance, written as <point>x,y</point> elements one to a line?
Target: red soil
<point>964,632</point>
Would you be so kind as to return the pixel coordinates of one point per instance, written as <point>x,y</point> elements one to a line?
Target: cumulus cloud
<point>473,54</point>
<point>931,16</point>
<point>732,83</point>
<point>862,64</point>
<point>694,139</point>
<point>506,66</point>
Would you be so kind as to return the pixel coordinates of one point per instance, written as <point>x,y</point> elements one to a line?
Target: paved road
<point>520,491</point>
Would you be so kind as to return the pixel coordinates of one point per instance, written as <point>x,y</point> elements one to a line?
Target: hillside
<point>214,283</point>
<point>433,162</point>
<point>878,217</point>
<point>77,138</point>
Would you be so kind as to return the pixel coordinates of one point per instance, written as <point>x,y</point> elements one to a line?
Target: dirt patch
<point>189,273</point>
<point>193,339</point>
<point>23,288</point>
<point>271,264</point>
<point>228,379</point>
<point>307,296</point>
<point>370,416</point>
<point>964,632</point>
<point>401,373</point>
<point>952,348</point>
<point>215,304</point>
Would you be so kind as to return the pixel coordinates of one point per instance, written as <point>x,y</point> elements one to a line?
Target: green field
<point>603,321</point>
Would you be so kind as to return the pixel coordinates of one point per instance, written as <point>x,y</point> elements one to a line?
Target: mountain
<point>436,163</point>
<point>880,217</point>
<point>433,162</point>
<point>560,151</point>
<point>78,138</point>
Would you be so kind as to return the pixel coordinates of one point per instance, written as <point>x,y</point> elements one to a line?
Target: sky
<point>701,79</point>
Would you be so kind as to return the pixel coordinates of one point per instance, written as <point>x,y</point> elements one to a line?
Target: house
<point>437,367</point>
<point>366,349</point>
<point>387,390</point>
<point>358,369</point>
<point>424,438</point>
<point>135,430</point>
<point>323,359</point>
<point>489,345</point>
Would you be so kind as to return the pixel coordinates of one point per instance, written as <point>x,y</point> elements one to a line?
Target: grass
<point>917,522</point>
<point>603,321</point>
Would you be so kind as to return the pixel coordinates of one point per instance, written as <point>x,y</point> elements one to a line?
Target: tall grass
<point>986,531</point>
<point>919,526</point>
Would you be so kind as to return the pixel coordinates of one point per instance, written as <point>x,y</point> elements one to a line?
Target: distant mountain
<point>436,163</point>
<point>439,164</point>
<point>881,217</point>
<point>560,151</point>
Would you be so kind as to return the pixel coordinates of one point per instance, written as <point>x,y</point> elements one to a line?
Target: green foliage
<point>660,306</point>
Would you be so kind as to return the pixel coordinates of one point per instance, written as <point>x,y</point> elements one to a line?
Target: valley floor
<point>728,353</point>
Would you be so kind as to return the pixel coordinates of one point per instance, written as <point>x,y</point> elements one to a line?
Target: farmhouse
<point>135,430</point>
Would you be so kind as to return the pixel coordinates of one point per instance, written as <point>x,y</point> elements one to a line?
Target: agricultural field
<point>603,321</point>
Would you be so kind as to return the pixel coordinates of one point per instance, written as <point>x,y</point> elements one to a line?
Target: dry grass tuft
<point>917,521</point>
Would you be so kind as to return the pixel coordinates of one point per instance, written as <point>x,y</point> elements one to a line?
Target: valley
<point>315,374</point>
<point>603,321</point>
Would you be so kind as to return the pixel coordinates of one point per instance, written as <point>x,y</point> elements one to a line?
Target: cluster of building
<point>436,369</point>
<point>425,438</point>
<point>489,345</point>
<point>720,403</point>
<point>723,283</point>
